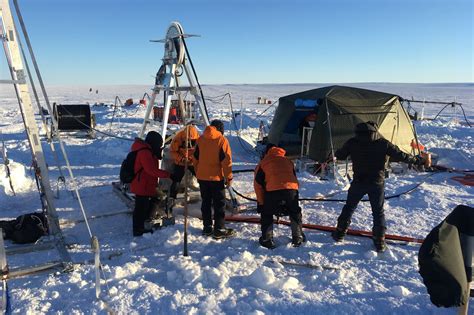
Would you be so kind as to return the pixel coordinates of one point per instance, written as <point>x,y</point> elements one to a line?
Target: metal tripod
<point>176,63</point>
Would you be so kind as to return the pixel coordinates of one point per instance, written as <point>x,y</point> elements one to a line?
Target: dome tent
<point>345,107</point>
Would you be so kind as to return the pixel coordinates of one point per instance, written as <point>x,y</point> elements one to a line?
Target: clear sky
<point>254,41</point>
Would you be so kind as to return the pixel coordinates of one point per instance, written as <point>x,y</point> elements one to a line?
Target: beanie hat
<point>366,127</point>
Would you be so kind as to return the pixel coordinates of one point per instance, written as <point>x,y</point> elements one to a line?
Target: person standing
<point>368,152</point>
<point>178,150</point>
<point>276,187</point>
<point>144,183</point>
<point>213,165</point>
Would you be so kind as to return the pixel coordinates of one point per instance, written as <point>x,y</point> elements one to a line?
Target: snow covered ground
<point>235,276</point>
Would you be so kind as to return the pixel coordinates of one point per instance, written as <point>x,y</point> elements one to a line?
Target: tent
<point>335,111</point>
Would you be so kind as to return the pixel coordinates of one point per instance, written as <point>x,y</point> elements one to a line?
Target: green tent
<point>338,109</point>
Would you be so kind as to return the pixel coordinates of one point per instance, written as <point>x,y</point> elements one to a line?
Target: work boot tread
<point>223,233</point>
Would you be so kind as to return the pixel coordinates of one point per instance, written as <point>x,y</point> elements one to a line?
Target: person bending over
<point>144,183</point>
<point>276,187</point>
<point>178,150</point>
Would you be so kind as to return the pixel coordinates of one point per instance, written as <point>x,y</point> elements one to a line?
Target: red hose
<point>467,179</point>
<point>252,219</point>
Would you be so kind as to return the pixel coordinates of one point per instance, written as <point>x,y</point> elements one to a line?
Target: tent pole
<point>330,138</point>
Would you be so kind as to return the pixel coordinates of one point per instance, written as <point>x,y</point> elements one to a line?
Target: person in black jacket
<point>368,152</point>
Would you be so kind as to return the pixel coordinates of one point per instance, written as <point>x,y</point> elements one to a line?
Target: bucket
<point>158,113</point>
<point>173,117</point>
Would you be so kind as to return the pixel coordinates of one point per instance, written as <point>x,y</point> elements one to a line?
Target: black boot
<point>297,235</point>
<point>298,240</point>
<point>339,233</point>
<point>268,243</point>
<point>207,231</point>
<point>223,233</point>
<point>378,236</point>
<point>341,230</point>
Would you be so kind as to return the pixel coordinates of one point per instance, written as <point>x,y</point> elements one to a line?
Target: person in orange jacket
<point>213,166</point>
<point>178,150</point>
<point>276,187</point>
<point>144,183</point>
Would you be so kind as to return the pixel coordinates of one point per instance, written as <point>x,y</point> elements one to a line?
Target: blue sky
<point>254,41</point>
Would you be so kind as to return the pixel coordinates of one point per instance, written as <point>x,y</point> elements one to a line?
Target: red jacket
<point>146,170</point>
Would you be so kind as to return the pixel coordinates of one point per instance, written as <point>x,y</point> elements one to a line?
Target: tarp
<point>338,110</point>
<point>445,258</point>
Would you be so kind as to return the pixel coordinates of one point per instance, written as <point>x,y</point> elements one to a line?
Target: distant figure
<point>96,91</point>
<point>178,150</point>
<point>144,183</point>
<point>276,187</point>
<point>90,90</point>
<point>213,166</point>
<point>368,153</point>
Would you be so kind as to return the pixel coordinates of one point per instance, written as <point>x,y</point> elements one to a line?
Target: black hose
<point>464,114</point>
<point>344,200</point>
<point>195,75</point>
<point>442,110</point>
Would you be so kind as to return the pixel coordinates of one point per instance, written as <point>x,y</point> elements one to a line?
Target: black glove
<point>419,160</point>
<point>259,208</point>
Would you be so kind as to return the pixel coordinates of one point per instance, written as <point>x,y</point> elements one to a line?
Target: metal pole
<point>61,145</point>
<point>330,137</point>
<point>33,58</point>
<point>40,109</point>
<point>241,115</point>
<point>185,249</point>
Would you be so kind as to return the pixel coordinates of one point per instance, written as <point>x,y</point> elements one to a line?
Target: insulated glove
<point>419,160</point>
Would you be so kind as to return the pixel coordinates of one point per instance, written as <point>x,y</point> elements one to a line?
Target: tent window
<point>299,102</point>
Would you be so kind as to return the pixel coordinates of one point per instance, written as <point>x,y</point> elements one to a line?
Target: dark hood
<point>155,140</point>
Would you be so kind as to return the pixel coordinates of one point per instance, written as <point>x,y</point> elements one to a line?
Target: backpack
<point>441,259</point>
<point>26,228</point>
<point>127,169</point>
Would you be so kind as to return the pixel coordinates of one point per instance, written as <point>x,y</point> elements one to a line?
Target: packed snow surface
<point>149,274</point>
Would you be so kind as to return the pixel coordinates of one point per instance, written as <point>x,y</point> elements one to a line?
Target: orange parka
<point>178,145</point>
<point>212,156</point>
<point>274,172</point>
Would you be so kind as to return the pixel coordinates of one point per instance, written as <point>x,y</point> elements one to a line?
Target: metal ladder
<point>13,55</point>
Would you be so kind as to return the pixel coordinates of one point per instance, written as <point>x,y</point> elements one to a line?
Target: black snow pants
<point>213,196</point>
<point>177,176</point>
<point>142,212</point>
<point>376,197</point>
<point>281,202</point>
